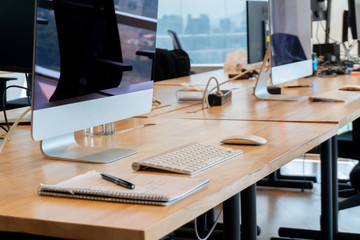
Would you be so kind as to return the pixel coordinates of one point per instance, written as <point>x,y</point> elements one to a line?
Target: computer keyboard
<point>335,96</point>
<point>189,159</point>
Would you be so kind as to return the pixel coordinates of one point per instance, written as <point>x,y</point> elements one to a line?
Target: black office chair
<point>85,68</point>
<point>175,39</point>
<point>286,49</point>
<point>354,200</point>
<point>23,101</point>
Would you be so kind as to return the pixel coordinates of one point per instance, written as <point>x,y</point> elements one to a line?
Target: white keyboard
<point>335,96</point>
<point>189,159</point>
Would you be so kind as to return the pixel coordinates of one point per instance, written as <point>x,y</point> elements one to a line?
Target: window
<point>207,29</point>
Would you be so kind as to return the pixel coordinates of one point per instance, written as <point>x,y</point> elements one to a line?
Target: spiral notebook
<point>149,189</point>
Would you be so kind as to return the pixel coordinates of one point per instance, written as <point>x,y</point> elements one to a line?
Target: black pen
<point>298,86</point>
<point>117,181</point>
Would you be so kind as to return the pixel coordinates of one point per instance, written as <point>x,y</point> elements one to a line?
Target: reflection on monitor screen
<point>87,71</point>
<point>289,55</point>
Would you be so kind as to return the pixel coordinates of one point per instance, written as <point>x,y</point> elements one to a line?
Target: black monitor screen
<point>354,18</point>
<point>17,34</point>
<point>257,30</point>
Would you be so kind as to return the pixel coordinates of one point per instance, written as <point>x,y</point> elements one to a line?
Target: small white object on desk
<point>244,140</point>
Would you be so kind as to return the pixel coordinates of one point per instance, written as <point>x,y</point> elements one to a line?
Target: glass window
<point>207,29</point>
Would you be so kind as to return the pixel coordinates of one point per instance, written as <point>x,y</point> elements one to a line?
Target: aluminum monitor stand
<point>261,91</point>
<point>66,148</point>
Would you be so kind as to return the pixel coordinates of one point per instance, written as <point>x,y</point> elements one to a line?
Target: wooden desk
<point>23,168</point>
<point>244,106</point>
<point>166,95</point>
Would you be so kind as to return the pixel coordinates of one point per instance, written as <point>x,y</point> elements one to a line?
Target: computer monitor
<point>17,34</point>
<point>87,72</point>
<point>351,19</point>
<point>288,56</point>
<point>319,10</point>
<point>257,30</point>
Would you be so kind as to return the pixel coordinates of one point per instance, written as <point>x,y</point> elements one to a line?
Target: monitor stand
<point>261,91</point>
<point>65,147</point>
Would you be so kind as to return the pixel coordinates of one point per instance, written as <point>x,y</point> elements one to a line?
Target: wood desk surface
<point>23,168</point>
<point>166,95</point>
<point>245,106</point>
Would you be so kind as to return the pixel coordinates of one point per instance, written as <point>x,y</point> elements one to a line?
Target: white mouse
<point>244,140</point>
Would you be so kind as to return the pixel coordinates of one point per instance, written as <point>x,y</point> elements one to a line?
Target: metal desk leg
<point>335,187</point>
<point>248,213</point>
<point>232,218</point>
<point>327,180</point>
<point>327,197</point>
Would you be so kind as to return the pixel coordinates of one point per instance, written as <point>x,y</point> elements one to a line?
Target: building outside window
<point>207,29</point>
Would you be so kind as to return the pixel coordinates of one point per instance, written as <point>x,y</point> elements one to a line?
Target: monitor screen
<point>291,47</point>
<point>87,71</point>
<point>17,34</point>
<point>257,30</point>
<point>354,18</point>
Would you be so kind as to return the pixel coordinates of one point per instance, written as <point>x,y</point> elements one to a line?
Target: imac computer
<point>87,72</point>
<point>257,30</point>
<point>288,56</point>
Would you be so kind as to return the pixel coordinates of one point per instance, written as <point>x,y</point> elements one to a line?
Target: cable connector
<point>216,99</point>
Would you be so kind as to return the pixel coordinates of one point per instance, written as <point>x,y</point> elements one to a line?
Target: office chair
<point>175,39</point>
<point>292,46</point>
<point>85,68</point>
<point>24,101</point>
<point>354,200</point>
<point>348,147</point>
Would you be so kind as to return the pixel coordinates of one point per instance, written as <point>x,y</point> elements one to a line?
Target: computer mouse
<point>244,140</point>
<point>350,88</point>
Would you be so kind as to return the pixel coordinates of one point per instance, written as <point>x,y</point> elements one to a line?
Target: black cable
<point>4,104</point>
<point>1,126</point>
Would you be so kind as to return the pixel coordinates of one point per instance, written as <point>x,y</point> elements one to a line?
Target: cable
<point>8,135</point>
<point>205,100</point>
<point>211,230</point>
<point>327,34</point>
<point>206,93</point>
